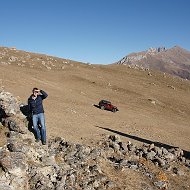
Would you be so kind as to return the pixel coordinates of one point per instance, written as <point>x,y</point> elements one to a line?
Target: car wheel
<point>102,107</point>
<point>114,110</point>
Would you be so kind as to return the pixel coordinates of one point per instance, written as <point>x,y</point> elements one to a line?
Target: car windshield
<point>106,102</point>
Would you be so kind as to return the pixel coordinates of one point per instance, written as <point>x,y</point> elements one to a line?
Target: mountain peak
<point>156,50</point>
<point>175,60</point>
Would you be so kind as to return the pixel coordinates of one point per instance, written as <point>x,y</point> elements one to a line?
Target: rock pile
<point>160,156</point>
<point>25,164</point>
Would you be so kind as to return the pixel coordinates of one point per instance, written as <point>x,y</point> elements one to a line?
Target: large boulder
<point>9,104</point>
<point>10,113</point>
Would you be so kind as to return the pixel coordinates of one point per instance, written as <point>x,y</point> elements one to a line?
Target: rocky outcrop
<point>25,164</point>
<point>136,57</point>
<point>175,61</point>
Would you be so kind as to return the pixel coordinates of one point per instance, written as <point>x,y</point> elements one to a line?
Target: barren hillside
<point>153,107</point>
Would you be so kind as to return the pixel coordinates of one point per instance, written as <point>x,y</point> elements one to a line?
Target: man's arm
<point>43,94</point>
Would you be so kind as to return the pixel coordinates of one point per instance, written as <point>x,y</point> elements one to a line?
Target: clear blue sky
<point>95,31</point>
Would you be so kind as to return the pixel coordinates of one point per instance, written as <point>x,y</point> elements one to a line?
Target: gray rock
<point>14,125</point>
<point>145,150</point>
<point>171,150</point>
<point>124,162</point>
<point>178,171</point>
<point>13,162</point>
<point>131,147</point>
<point>48,161</point>
<point>6,187</point>
<point>151,147</point>
<point>178,152</point>
<point>169,156</point>
<point>96,184</point>
<point>150,155</point>
<point>9,104</point>
<point>116,147</point>
<point>161,184</point>
<point>110,184</point>
<point>160,161</point>
<point>183,160</point>
<point>133,166</point>
<point>124,146</point>
<point>158,151</point>
<point>115,138</point>
<point>164,151</point>
<point>13,59</point>
<point>140,154</point>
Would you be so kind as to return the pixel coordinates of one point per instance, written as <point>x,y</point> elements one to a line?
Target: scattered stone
<point>164,151</point>
<point>169,156</point>
<point>133,167</point>
<point>124,147</point>
<point>160,161</point>
<point>115,138</point>
<point>25,164</point>
<point>150,155</point>
<point>161,184</point>
<point>170,86</point>
<point>151,146</point>
<point>110,184</point>
<point>13,59</point>
<point>131,147</point>
<point>178,171</point>
<point>152,101</point>
<point>178,152</point>
<point>158,151</point>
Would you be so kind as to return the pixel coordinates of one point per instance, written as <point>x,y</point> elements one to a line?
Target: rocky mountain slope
<point>153,109</point>
<point>111,164</point>
<point>174,61</point>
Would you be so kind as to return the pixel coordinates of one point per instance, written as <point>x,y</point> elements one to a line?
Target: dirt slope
<point>154,108</point>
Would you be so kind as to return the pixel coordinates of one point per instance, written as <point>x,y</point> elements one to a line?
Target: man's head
<point>35,91</point>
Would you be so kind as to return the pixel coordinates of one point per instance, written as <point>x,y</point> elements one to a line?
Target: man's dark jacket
<point>36,106</point>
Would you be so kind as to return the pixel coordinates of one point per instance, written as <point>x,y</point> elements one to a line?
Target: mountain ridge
<point>175,61</point>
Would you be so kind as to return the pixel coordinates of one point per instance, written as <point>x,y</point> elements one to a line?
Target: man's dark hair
<point>34,89</point>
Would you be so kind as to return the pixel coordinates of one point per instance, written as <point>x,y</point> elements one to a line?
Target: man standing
<point>37,111</point>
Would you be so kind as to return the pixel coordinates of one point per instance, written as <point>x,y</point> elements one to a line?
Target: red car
<point>106,105</point>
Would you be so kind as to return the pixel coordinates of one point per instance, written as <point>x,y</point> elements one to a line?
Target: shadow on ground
<point>2,114</point>
<point>158,144</point>
<point>24,109</point>
<point>97,106</point>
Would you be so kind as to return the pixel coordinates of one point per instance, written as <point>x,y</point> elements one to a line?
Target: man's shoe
<point>37,140</point>
<point>44,143</point>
